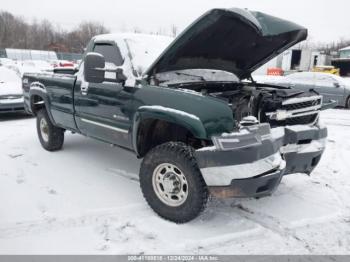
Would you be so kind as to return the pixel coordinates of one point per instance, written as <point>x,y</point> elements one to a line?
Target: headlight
<point>246,137</point>
<point>279,115</point>
<point>229,143</point>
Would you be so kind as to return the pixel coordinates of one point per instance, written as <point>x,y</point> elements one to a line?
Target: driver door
<point>103,110</point>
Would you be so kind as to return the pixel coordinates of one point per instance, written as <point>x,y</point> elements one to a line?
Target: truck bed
<point>60,91</point>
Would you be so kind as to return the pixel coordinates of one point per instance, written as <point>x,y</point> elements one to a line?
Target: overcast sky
<point>327,20</point>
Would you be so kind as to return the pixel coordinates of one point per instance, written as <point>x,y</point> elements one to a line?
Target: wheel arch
<point>38,99</point>
<point>151,125</point>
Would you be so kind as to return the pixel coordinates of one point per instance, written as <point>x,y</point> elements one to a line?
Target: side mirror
<point>336,84</point>
<point>121,78</point>
<point>94,64</point>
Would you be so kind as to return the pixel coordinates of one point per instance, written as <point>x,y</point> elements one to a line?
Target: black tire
<point>181,156</point>
<point>54,135</point>
<point>347,105</point>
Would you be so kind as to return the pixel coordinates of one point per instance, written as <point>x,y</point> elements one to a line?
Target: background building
<point>343,62</point>
<point>297,59</point>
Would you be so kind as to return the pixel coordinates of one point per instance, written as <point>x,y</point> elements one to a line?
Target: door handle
<point>84,88</point>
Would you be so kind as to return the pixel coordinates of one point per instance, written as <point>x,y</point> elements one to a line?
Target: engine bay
<point>276,105</point>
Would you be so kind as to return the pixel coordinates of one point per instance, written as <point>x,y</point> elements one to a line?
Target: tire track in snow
<point>213,243</point>
<point>273,224</point>
<point>96,217</point>
<point>122,173</point>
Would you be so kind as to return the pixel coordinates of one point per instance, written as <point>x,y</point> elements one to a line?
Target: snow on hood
<point>10,83</point>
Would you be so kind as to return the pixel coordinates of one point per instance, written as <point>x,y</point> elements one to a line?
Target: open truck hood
<point>233,40</point>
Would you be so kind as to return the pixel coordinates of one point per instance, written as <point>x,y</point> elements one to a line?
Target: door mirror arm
<point>120,77</point>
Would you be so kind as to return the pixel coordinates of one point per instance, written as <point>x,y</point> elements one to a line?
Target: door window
<point>111,53</point>
<point>301,76</point>
<point>325,80</point>
<point>304,78</point>
<point>112,57</point>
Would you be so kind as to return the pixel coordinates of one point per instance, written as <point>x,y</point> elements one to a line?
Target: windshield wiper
<point>272,85</point>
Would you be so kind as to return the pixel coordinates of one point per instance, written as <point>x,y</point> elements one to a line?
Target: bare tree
<point>15,32</point>
<point>173,30</point>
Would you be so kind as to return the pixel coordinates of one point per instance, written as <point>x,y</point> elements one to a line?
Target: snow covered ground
<point>86,199</point>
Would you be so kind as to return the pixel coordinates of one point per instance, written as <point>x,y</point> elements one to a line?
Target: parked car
<point>6,61</point>
<point>330,86</point>
<point>20,69</point>
<point>11,95</point>
<point>40,65</point>
<point>187,113</point>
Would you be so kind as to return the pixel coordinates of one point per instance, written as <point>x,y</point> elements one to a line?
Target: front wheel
<point>51,137</point>
<point>172,184</point>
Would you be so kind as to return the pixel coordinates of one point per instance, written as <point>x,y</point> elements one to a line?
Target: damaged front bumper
<point>252,162</point>
<point>303,147</point>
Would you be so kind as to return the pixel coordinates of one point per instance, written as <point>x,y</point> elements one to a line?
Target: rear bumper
<point>256,170</point>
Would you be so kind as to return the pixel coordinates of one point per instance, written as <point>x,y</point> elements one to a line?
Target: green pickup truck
<point>190,108</point>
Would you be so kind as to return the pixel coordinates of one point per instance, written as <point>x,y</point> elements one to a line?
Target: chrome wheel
<point>44,130</point>
<point>170,184</point>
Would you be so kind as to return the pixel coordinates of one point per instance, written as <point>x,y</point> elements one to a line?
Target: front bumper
<point>256,169</point>
<point>260,186</point>
<point>303,148</point>
<point>11,105</point>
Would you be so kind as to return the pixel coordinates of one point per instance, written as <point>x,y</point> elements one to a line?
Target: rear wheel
<point>50,136</point>
<point>172,184</point>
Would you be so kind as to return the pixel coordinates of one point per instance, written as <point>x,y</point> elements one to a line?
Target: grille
<point>302,120</point>
<point>300,105</point>
<point>296,111</point>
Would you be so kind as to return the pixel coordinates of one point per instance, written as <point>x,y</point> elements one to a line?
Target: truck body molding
<point>104,125</point>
